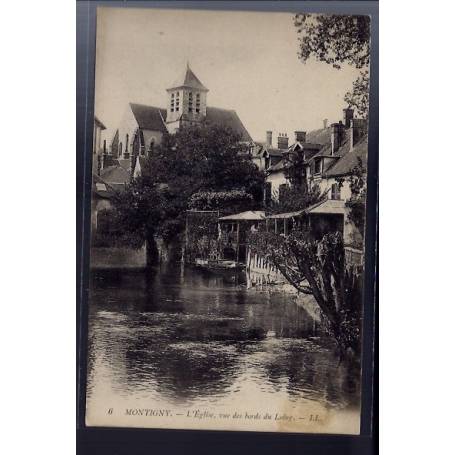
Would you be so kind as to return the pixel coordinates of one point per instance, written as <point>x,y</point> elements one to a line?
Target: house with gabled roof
<point>143,126</point>
<point>331,155</point>
<point>307,144</point>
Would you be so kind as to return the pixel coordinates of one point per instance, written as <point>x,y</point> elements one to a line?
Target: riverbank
<point>305,301</point>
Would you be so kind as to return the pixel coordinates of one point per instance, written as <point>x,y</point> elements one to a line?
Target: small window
<point>317,166</point>
<point>197,110</point>
<point>335,191</point>
<point>281,191</point>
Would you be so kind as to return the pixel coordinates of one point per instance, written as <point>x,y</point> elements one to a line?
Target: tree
<point>357,201</point>
<point>294,198</point>
<point>136,213</point>
<point>227,202</point>
<point>358,97</point>
<point>338,39</point>
<point>196,159</point>
<point>318,268</point>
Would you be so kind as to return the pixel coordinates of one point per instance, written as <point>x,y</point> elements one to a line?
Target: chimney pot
<point>300,136</point>
<point>348,115</point>
<point>357,131</point>
<point>269,138</point>
<point>336,136</point>
<point>283,141</point>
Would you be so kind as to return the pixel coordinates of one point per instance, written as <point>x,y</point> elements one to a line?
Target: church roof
<point>149,117</point>
<point>154,118</point>
<point>229,118</point>
<point>188,79</point>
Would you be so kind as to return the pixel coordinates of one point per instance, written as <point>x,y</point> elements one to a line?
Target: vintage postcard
<point>228,202</point>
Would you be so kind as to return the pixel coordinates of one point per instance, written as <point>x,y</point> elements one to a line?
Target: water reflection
<point>188,337</point>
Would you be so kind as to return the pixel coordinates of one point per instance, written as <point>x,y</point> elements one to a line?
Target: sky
<point>247,60</point>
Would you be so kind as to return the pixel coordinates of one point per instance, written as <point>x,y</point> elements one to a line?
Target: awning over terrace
<point>287,215</point>
<point>328,207</point>
<point>250,215</point>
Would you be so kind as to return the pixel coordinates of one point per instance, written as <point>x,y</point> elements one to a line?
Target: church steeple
<point>186,100</point>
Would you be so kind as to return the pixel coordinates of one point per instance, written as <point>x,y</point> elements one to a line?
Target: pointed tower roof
<point>188,79</point>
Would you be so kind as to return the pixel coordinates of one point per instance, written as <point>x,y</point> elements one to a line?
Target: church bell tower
<point>187,101</point>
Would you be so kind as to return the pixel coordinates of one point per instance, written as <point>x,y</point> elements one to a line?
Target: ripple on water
<point>192,342</point>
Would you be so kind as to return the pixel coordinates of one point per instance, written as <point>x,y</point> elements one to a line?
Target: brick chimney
<point>324,123</point>
<point>283,141</point>
<point>348,115</point>
<point>337,135</point>
<point>269,138</point>
<point>300,136</point>
<point>357,131</point>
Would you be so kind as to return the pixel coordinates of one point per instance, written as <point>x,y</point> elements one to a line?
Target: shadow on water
<point>181,334</point>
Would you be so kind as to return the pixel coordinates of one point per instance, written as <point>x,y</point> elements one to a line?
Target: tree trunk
<point>151,251</point>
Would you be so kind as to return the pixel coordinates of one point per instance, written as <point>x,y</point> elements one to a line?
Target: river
<point>181,338</point>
